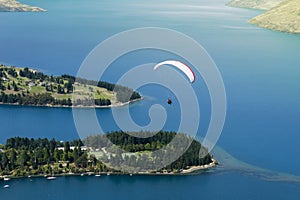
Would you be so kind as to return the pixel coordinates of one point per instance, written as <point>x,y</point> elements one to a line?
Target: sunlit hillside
<point>284,17</point>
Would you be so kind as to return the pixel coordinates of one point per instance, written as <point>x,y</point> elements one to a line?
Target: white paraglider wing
<point>179,65</point>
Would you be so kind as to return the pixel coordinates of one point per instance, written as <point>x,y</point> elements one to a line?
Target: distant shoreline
<point>278,15</point>
<point>193,170</point>
<point>16,6</point>
<point>119,104</point>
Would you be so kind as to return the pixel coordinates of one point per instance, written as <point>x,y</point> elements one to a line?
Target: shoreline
<point>193,170</point>
<point>16,6</point>
<point>119,104</point>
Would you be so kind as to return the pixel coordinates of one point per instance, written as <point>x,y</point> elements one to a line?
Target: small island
<point>24,86</point>
<point>22,157</point>
<point>15,6</point>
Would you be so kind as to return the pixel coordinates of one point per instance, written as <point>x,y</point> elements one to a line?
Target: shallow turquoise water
<point>260,69</point>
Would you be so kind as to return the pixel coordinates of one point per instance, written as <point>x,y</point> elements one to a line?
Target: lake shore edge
<point>119,104</point>
<point>193,170</point>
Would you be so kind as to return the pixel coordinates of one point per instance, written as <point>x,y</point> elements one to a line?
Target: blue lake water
<point>260,69</point>
<point>208,186</point>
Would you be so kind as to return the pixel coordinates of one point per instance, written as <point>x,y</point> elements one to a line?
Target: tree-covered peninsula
<point>21,157</point>
<point>24,86</point>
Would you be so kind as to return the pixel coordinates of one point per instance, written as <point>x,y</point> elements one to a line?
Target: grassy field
<point>15,84</point>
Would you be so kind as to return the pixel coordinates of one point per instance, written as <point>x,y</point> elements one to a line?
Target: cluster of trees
<point>2,76</point>
<point>191,157</point>
<point>2,73</point>
<point>12,72</point>
<point>63,102</point>
<point>65,88</point>
<point>64,83</point>
<point>47,99</point>
<point>124,94</point>
<point>14,86</point>
<point>90,102</point>
<point>28,99</point>
<point>32,74</point>
<point>150,157</point>
<point>2,87</point>
<point>142,143</point>
<point>24,156</point>
<point>23,73</point>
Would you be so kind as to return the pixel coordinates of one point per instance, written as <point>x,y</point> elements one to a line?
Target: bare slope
<point>255,4</point>
<point>15,6</point>
<point>284,17</point>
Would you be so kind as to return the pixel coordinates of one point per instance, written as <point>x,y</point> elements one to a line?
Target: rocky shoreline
<point>15,6</point>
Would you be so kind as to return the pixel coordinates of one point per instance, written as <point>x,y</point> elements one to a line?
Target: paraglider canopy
<point>179,65</point>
